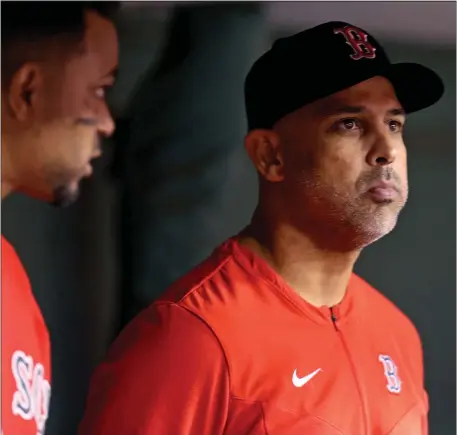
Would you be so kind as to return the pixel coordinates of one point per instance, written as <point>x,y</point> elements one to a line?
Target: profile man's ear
<point>265,150</point>
<point>23,89</point>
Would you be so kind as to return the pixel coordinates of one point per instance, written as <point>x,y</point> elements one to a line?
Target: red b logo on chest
<point>358,41</point>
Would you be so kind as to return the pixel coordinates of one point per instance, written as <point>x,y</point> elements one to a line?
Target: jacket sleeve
<point>425,415</point>
<point>420,367</point>
<point>166,374</point>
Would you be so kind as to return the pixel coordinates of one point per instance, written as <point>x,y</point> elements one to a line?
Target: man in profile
<point>58,61</point>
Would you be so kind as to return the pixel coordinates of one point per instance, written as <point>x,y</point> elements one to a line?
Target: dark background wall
<point>175,181</point>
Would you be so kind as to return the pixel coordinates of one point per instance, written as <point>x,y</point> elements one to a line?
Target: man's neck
<point>318,276</point>
<point>6,189</point>
<point>7,185</point>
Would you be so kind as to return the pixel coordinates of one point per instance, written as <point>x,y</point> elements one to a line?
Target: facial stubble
<point>343,218</point>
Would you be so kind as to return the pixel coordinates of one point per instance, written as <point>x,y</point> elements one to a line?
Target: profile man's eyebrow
<point>113,73</point>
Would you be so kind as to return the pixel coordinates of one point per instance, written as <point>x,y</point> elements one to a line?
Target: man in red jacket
<point>274,333</point>
<point>58,59</point>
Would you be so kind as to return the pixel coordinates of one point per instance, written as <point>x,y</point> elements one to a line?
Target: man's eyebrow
<point>397,112</point>
<point>113,73</point>
<point>340,110</point>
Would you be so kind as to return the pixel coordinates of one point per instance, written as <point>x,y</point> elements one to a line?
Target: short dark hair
<point>36,22</point>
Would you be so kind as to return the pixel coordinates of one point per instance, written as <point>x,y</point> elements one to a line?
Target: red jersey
<point>231,349</point>
<point>26,368</point>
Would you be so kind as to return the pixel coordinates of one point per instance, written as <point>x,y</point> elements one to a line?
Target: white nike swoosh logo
<point>299,382</point>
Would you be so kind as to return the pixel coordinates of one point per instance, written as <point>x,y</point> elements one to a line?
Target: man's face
<point>59,131</point>
<point>344,164</point>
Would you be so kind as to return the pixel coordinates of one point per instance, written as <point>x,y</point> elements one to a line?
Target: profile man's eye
<point>100,93</point>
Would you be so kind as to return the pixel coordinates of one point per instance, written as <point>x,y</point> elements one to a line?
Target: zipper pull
<point>333,318</point>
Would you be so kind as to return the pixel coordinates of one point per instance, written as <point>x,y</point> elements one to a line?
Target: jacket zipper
<point>334,320</point>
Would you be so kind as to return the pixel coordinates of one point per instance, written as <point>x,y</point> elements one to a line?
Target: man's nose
<point>383,152</point>
<point>106,125</point>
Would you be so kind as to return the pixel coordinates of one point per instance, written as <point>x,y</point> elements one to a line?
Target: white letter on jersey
<point>31,400</point>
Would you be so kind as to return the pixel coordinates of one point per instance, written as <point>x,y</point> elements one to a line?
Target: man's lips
<point>383,191</point>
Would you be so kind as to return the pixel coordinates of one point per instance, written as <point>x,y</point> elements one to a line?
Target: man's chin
<point>65,196</point>
<point>375,231</point>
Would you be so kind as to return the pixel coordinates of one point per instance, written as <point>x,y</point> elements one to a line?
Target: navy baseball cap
<point>323,60</point>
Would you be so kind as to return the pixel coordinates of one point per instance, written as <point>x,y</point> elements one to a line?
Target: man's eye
<point>100,92</point>
<point>349,124</point>
<point>395,126</point>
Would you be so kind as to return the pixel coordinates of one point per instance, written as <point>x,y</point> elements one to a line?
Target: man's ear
<point>23,90</point>
<point>265,151</point>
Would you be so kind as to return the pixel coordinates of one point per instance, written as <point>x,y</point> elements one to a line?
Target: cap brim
<point>416,86</point>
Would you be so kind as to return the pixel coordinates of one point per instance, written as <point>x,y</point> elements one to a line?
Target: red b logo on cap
<point>358,40</point>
